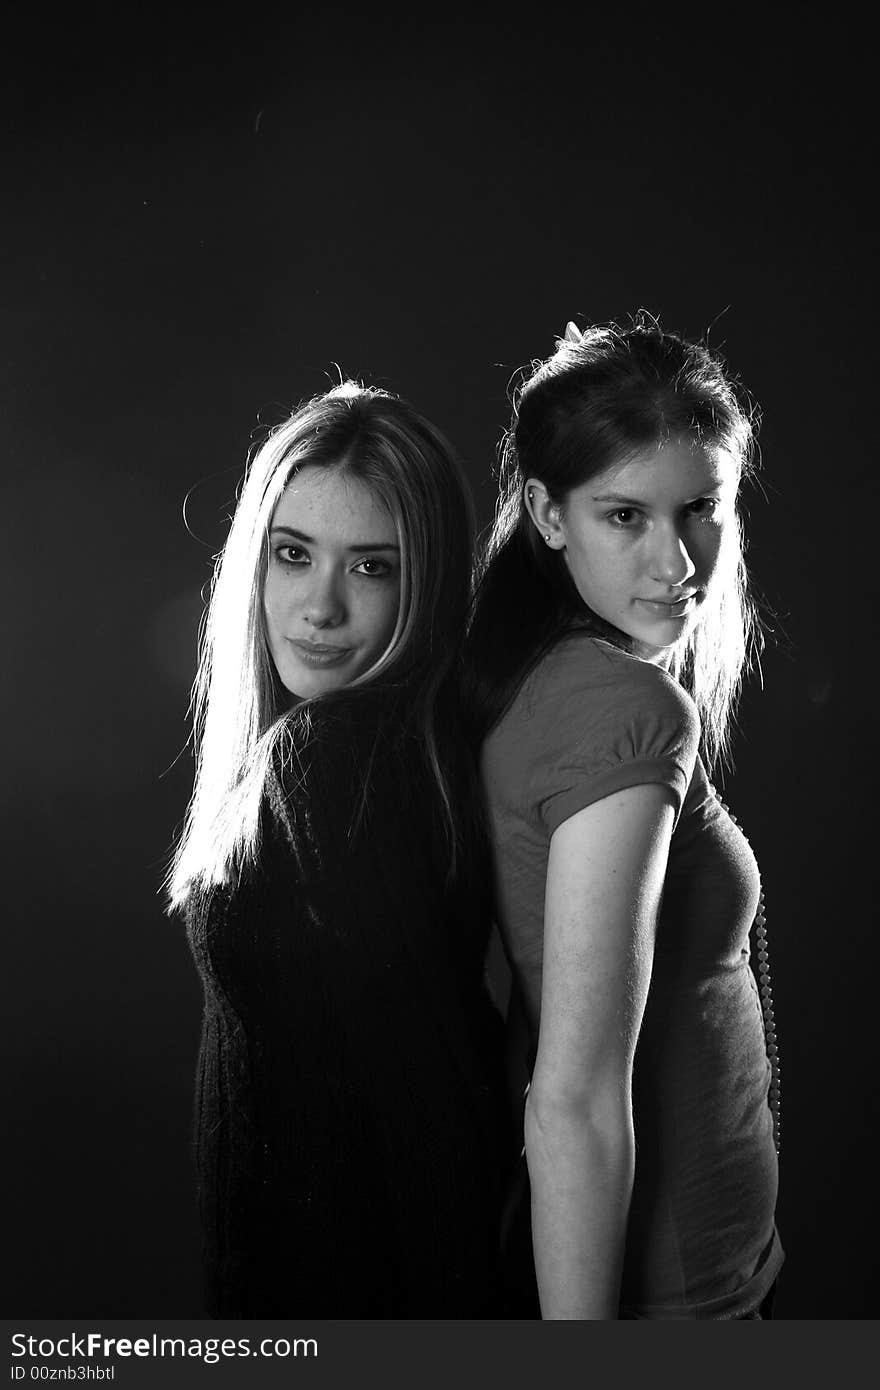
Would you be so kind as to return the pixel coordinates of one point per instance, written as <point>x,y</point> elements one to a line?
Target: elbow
<point>562,1126</point>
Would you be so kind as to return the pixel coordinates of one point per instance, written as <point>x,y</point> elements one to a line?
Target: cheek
<point>271,600</point>
<point>280,603</point>
<point>378,614</point>
<point>710,548</point>
<point>598,564</point>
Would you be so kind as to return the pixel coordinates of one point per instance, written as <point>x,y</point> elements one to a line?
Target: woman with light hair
<point>350,1130</point>
<point>611,628</point>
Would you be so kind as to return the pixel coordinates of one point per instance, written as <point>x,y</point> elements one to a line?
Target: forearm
<point>581,1171</point>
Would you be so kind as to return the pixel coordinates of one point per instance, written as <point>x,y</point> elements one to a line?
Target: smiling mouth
<point>319,653</point>
<point>671,607</point>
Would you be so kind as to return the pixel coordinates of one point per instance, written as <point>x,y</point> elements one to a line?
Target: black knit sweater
<point>350,1130</point>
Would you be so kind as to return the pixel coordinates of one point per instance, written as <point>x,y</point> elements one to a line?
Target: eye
<point>704,508</point>
<point>291,555</point>
<point>625,517</point>
<point>374,568</point>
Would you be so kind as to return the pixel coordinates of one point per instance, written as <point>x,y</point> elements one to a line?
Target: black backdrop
<point>201,219</point>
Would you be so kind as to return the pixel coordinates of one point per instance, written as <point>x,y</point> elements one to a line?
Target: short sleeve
<point>591,721</point>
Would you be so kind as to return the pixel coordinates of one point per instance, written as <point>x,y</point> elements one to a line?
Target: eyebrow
<point>615,497</point>
<point>367,546</point>
<point>713,485</point>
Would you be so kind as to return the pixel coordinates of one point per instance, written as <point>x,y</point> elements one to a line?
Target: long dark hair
<point>602,395</point>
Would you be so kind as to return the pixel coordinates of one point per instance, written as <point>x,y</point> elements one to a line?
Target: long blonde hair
<point>238,704</point>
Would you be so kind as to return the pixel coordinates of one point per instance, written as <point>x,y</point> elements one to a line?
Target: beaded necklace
<point>759,930</point>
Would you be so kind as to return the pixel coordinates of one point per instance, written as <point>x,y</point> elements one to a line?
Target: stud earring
<point>547,538</point>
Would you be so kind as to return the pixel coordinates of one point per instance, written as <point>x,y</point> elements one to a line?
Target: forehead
<point>331,504</point>
<point>680,467</point>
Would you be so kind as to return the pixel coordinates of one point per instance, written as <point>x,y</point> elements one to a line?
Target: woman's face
<point>333,581</point>
<point>642,540</point>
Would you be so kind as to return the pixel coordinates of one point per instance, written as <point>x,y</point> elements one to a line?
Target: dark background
<point>202,217</point>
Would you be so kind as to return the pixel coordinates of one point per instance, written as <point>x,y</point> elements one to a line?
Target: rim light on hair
<point>606,393</point>
<point>239,707</point>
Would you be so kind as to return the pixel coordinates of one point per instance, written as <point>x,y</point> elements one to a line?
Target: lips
<point>318,648</point>
<point>671,607</point>
<point>319,653</point>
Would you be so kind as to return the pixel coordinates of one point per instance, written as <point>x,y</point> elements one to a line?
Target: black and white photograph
<point>439,511</point>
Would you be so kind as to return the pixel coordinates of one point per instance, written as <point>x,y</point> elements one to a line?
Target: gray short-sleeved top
<point>588,721</point>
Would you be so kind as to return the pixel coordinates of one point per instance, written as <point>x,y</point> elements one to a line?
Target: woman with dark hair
<point>349,1123</point>
<point>610,631</point>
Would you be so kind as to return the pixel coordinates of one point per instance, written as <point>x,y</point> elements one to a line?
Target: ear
<point>545,514</point>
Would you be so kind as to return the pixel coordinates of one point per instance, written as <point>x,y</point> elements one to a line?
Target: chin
<point>650,646</point>
<point>305,685</point>
<point>309,686</point>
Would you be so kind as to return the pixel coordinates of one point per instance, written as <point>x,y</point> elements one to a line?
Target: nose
<point>323,603</point>
<point>670,562</point>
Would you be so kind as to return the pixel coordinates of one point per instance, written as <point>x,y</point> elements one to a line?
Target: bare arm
<point>604,883</point>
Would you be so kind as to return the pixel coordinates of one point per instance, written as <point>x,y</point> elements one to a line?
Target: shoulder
<point>593,716</point>
<point>325,752</point>
<point>588,686</point>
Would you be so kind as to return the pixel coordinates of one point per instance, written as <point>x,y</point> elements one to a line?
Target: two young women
<point>352,1138</point>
